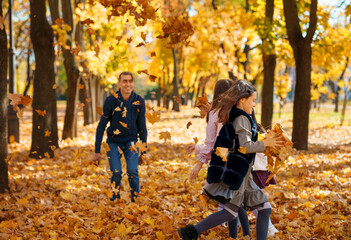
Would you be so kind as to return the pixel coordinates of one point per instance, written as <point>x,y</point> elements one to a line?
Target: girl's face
<point>247,104</point>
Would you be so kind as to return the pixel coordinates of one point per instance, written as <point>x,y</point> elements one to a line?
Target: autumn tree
<point>301,46</point>
<point>4,180</point>
<point>44,130</point>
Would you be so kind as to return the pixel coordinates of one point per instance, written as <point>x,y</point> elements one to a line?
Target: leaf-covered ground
<point>68,197</point>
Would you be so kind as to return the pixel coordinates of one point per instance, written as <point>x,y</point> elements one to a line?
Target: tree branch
<point>313,21</point>
<point>292,22</point>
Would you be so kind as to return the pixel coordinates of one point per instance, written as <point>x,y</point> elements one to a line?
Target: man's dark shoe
<point>188,233</point>
<point>114,197</point>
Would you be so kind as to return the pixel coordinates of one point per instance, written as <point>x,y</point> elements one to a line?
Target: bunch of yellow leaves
<point>276,157</point>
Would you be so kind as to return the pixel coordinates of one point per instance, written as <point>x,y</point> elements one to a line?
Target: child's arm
<point>242,127</point>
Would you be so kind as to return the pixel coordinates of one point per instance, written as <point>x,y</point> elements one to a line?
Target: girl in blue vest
<point>235,107</point>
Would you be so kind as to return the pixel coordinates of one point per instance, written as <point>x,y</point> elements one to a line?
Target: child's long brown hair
<point>221,86</point>
<point>240,89</point>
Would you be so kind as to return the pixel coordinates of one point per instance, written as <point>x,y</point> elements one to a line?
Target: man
<point>125,111</point>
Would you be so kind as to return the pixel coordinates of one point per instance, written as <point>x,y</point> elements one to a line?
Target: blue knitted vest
<point>232,171</point>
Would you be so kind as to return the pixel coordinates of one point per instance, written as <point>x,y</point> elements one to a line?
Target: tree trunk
<point>72,72</point>
<point>336,99</point>
<point>4,178</point>
<point>158,93</point>
<point>269,63</point>
<point>29,78</point>
<point>54,10</point>
<point>302,53</point>
<point>337,86</point>
<point>44,97</point>
<point>175,81</point>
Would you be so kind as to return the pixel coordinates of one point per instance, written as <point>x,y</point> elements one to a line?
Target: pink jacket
<point>203,152</point>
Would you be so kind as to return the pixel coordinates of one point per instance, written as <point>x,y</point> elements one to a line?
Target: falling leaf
<point>114,93</point>
<point>118,38</point>
<point>8,158</point>
<point>143,71</point>
<point>152,117</point>
<point>203,113</point>
<point>188,124</point>
<point>76,50</point>
<point>153,54</point>
<point>152,78</point>
<point>81,105</point>
<point>140,44</point>
<point>40,112</point>
<point>54,86</point>
<point>20,113</point>
<point>52,147</point>
<point>116,132</point>
<point>143,36</point>
<point>46,154</point>
<point>88,100</point>
<point>15,99</point>
<point>129,40</point>
<point>165,135</point>
<point>176,99</point>
<point>123,124</point>
<point>124,113</point>
<point>99,111</point>
<point>87,21</point>
<point>196,140</point>
<point>91,31</point>
<point>106,146</point>
<point>200,101</point>
<point>80,86</point>
<point>47,133</point>
<point>222,152</point>
<point>26,100</point>
<point>136,103</point>
<point>138,146</point>
<point>242,150</point>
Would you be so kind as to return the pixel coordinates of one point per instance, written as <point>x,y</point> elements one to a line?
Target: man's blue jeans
<point>132,157</point>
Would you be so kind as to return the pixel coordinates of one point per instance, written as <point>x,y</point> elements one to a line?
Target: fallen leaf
<point>123,124</point>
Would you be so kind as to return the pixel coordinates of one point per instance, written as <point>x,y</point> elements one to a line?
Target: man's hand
<point>97,158</point>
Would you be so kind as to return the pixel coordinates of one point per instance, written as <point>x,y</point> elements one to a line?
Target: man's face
<point>126,84</point>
